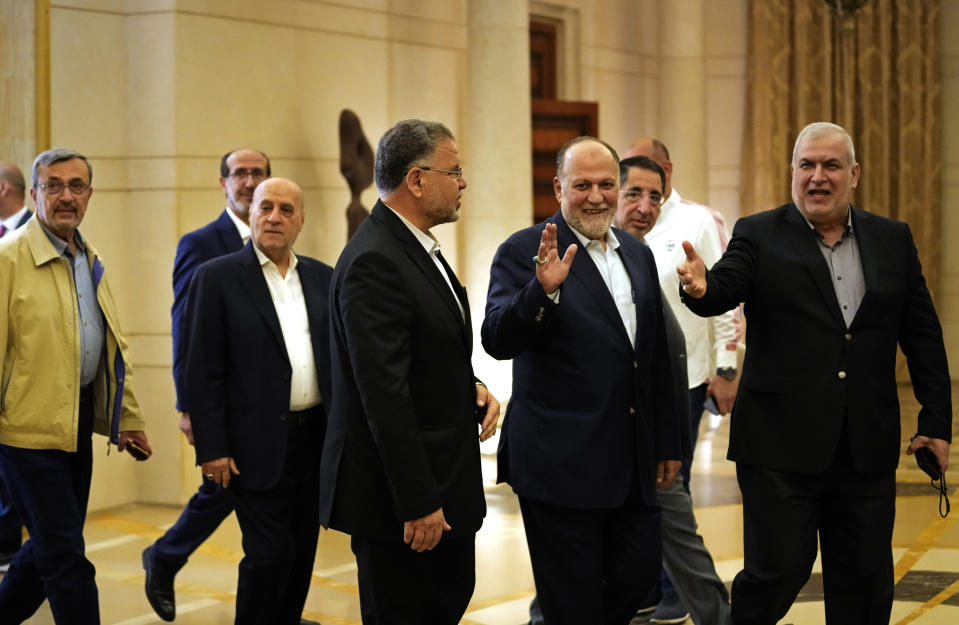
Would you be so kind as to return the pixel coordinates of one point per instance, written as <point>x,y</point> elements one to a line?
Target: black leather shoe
<point>159,586</point>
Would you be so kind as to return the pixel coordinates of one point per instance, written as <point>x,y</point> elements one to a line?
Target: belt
<point>303,417</point>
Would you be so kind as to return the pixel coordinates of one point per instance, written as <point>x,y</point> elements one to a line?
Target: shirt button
<point>838,277</point>
<point>842,375</point>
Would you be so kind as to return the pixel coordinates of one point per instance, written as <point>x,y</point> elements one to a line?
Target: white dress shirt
<point>680,220</point>
<point>242,227</point>
<point>611,268</point>
<point>287,294</point>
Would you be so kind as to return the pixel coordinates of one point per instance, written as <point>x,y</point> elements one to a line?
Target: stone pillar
<point>24,81</point>
<point>497,153</point>
<point>682,93</point>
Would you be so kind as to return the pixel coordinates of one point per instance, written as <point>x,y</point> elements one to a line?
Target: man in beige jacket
<point>64,377</point>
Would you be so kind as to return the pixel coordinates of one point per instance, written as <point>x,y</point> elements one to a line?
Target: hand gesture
<point>551,271</point>
<point>938,447</point>
<point>666,472</point>
<point>692,272</point>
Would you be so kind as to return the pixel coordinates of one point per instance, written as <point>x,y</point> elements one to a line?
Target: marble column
<point>496,148</point>
<point>24,81</point>
<point>682,94</point>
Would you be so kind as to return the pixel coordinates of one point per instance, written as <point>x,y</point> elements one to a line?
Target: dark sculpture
<point>356,165</point>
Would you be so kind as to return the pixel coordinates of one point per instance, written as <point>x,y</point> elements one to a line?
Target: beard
<point>592,226</point>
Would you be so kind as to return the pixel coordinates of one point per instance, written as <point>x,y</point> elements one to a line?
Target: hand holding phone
<point>136,450</point>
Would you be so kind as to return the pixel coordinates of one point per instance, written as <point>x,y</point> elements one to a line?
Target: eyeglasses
<point>243,174</point>
<point>56,187</point>
<point>635,195</point>
<point>455,173</point>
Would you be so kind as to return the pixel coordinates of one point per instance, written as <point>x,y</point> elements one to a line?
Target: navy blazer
<point>238,371</point>
<point>805,372</point>
<point>590,411</point>
<point>215,239</point>
<point>402,438</point>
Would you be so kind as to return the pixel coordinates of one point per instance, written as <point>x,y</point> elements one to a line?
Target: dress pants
<point>11,527</point>
<point>280,528</point>
<point>853,515</point>
<point>202,515</point>
<point>50,489</point>
<point>399,586</point>
<point>592,565</point>
<point>687,561</point>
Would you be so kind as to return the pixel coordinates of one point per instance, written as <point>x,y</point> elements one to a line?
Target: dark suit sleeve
<point>920,337</point>
<point>377,317</point>
<point>188,258</point>
<point>518,312</point>
<point>206,367</point>
<point>729,281</point>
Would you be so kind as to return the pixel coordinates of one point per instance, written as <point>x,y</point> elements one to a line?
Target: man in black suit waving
<point>401,464</point>
<point>830,291</point>
<point>257,377</point>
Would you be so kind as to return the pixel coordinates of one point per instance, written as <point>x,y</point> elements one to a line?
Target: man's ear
<point>558,189</point>
<point>414,181</point>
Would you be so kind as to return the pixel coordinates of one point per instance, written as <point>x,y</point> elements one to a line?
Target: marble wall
<point>155,91</point>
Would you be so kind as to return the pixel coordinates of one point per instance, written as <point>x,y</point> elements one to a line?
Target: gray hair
<point>817,130</point>
<point>403,145</point>
<point>55,156</point>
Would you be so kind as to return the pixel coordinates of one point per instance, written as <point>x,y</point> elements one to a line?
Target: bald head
<point>12,189</point>
<point>654,149</point>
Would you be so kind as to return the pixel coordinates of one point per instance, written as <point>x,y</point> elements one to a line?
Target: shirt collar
<point>426,239</point>
<point>60,245</point>
<point>847,232</point>
<point>241,226</point>
<point>611,241</point>
<point>266,262</point>
<point>12,221</point>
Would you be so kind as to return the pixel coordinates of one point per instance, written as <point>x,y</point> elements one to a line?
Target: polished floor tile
<point>925,549</point>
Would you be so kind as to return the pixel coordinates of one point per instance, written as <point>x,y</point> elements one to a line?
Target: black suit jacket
<point>402,438</point>
<point>238,371</point>
<point>805,372</point>
<point>590,409</point>
<point>215,239</point>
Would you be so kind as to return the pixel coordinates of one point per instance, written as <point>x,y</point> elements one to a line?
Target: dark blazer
<point>238,371</point>
<point>215,239</point>
<point>805,372</point>
<point>24,219</point>
<point>589,409</point>
<point>402,438</point>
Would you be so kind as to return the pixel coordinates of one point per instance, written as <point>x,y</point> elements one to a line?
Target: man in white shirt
<point>257,378</point>
<point>710,343</point>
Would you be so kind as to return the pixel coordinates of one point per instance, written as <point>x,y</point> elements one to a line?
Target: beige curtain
<point>874,72</point>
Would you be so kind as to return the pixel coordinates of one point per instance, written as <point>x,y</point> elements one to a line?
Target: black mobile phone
<point>136,451</point>
<point>711,406</point>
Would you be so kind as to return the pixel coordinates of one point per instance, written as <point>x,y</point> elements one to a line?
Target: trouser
<point>280,528</point>
<point>202,515</point>
<point>50,489</point>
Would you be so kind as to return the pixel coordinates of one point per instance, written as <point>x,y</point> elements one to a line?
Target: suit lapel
<point>230,239</point>
<point>585,271</point>
<point>254,283</point>
<point>870,243</point>
<point>640,282</point>
<point>421,259</point>
<point>804,242</point>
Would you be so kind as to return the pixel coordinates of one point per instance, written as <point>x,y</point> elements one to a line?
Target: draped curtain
<point>874,71</point>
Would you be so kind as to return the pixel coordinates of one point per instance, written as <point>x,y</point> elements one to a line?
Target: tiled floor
<point>925,547</point>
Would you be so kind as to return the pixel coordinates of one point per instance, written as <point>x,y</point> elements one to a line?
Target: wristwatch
<point>726,373</point>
